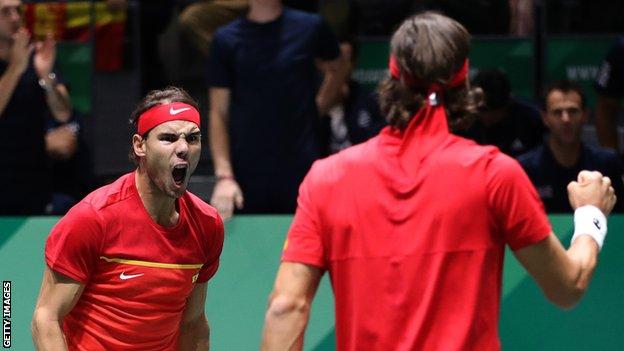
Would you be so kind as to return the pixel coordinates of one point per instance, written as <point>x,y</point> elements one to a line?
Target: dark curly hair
<point>429,47</point>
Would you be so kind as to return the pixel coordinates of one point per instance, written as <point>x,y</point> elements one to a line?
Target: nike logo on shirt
<point>174,112</point>
<point>123,276</point>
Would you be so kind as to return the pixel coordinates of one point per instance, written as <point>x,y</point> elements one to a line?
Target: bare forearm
<point>284,326</point>
<point>563,275</point>
<point>195,337</point>
<point>48,335</point>
<point>576,268</point>
<point>606,122</point>
<point>584,254</point>
<point>220,144</point>
<point>8,82</point>
<point>58,101</point>
<point>335,76</point>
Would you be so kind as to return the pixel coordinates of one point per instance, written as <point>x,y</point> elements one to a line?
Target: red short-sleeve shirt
<point>415,255</point>
<point>137,274</point>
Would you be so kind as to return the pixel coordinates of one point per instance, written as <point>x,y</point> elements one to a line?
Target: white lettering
<point>582,72</point>
<point>6,333</point>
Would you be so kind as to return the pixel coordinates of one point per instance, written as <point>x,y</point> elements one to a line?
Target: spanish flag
<point>70,21</point>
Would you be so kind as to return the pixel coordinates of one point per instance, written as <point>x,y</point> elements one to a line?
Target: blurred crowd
<point>281,94</point>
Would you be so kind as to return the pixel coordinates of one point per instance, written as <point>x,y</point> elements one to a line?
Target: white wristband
<point>589,220</point>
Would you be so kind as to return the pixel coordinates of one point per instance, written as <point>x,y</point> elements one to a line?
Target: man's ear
<point>138,145</point>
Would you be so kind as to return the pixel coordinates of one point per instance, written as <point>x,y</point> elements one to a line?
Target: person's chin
<point>177,190</point>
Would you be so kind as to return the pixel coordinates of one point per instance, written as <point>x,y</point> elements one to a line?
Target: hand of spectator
<point>592,189</point>
<point>45,55</point>
<point>227,194</point>
<point>61,143</point>
<point>20,51</point>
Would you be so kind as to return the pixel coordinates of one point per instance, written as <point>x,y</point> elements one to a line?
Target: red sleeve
<point>73,246</point>
<point>211,265</point>
<point>304,241</point>
<point>517,208</point>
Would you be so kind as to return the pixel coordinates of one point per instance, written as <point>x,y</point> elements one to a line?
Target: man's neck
<point>566,155</point>
<point>261,12</point>
<point>159,206</point>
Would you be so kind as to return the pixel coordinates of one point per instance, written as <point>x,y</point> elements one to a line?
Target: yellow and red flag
<point>70,21</point>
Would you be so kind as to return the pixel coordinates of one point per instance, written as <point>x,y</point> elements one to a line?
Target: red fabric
<point>107,35</point>
<point>165,113</point>
<point>109,50</point>
<point>457,79</point>
<point>412,227</point>
<point>109,236</point>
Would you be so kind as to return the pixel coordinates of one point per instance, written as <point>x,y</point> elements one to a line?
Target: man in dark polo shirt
<point>552,165</point>
<point>265,105</point>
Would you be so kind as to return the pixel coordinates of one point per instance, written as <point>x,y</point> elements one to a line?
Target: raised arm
<point>57,297</point>
<point>289,306</point>
<point>564,275</point>
<point>18,62</point>
<point>57,96</point>
<point>227,192</point>
<point>194,329</point>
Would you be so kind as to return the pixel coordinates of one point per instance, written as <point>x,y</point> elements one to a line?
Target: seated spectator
<point>557,162</point>
<point>513,125</point>
<point>355,116</point>
<point>610,89</point>
<point>29,92</point>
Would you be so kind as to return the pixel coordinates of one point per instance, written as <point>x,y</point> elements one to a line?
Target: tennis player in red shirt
<point>412,224</point>
<point>127,267</point>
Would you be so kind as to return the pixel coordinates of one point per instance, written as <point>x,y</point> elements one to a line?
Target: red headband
<point>458,78</point>
<point>175,111</point>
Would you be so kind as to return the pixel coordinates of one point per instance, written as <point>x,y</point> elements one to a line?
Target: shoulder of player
<point>198,207</point>
<point>466,151</point>
<point>110,194</point>
<point>334,167</point>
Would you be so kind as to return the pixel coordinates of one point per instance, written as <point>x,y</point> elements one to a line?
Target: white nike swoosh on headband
<point>174,112</point>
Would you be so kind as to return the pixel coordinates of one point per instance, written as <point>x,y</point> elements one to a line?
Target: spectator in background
<point>610,88</point>
<point>70,166</point>
<point>265,105</point>
<point>355,116</point>
<point>552,165</point>
<point>514,126</point>
<point>30,91</point>
<point>200,20</point>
